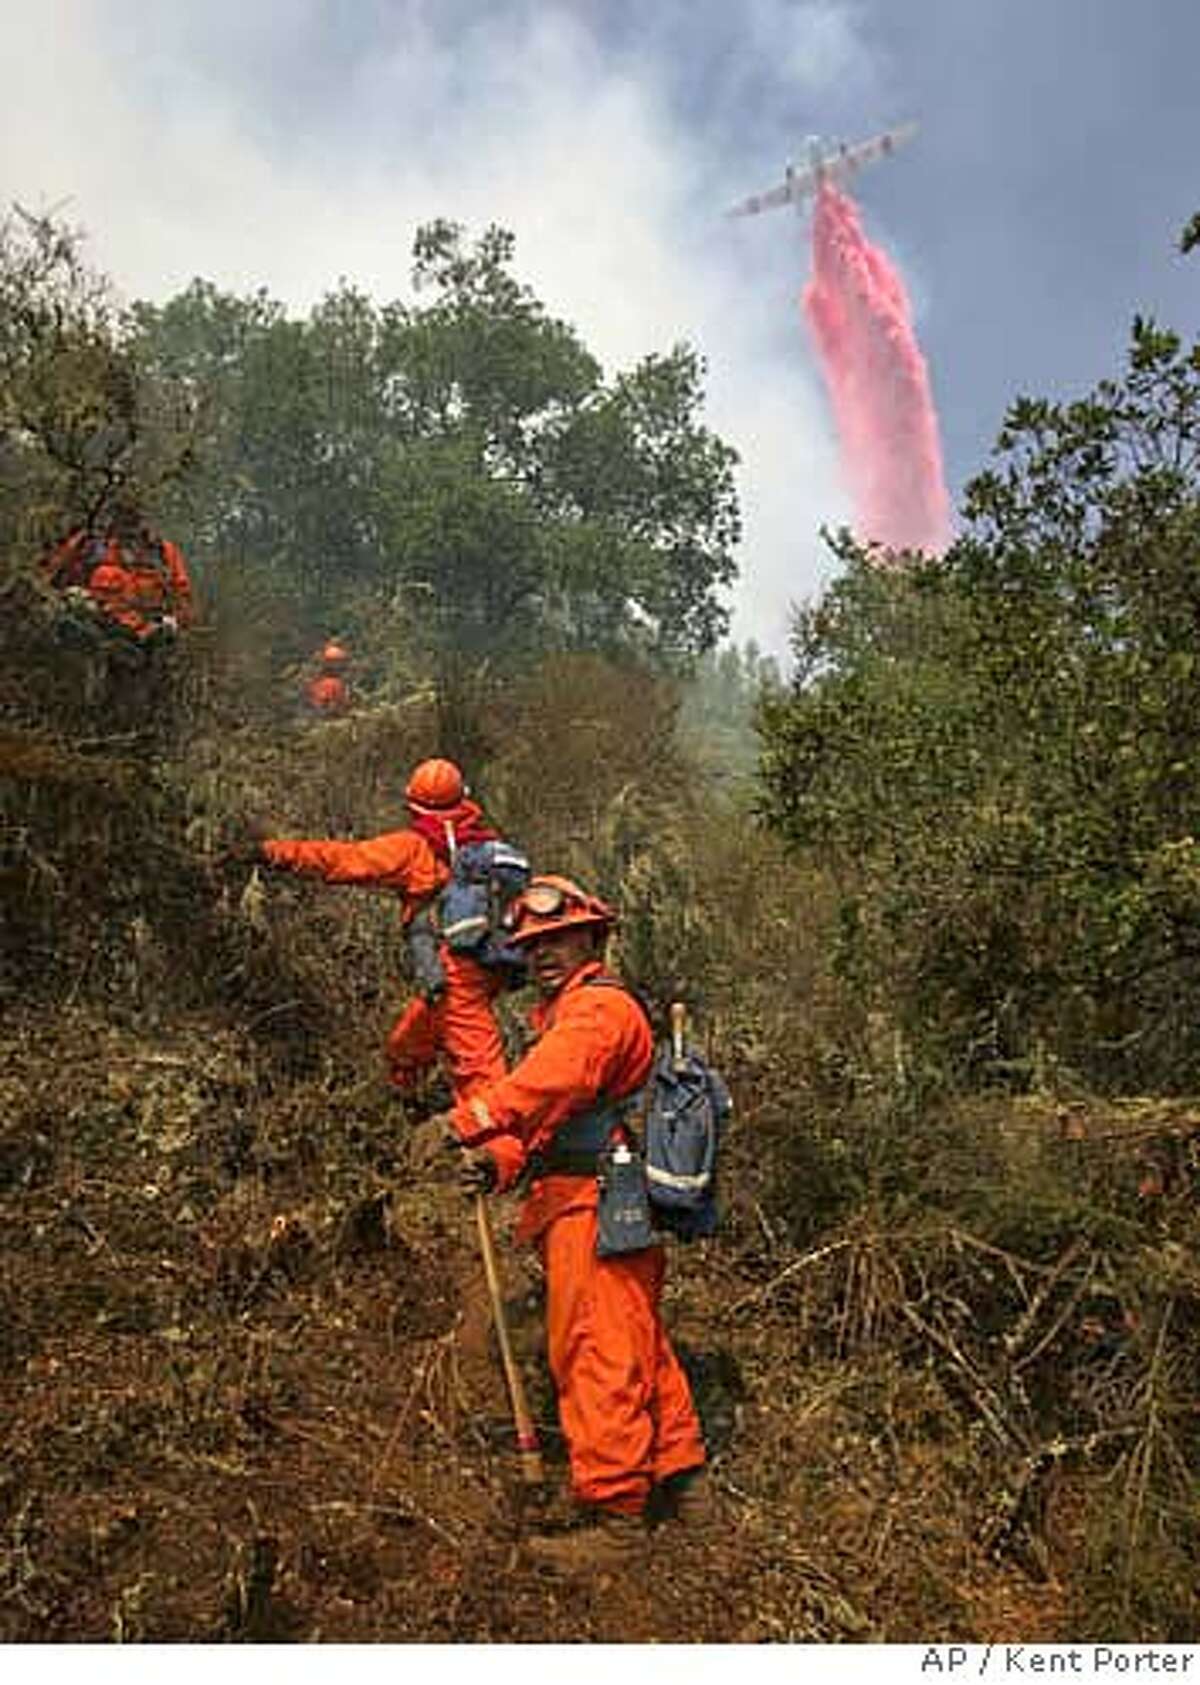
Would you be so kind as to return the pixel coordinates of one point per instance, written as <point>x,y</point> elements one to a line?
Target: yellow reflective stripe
<point>481,1114</point>
<point>670,1179</point>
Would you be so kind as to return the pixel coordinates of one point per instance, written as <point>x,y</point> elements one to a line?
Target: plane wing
<point>852,158</point>
<point>835,165</point>
<point>798,183</point>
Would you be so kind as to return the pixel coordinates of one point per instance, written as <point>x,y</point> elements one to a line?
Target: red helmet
<point>552,903</point>
<point>433,786</point>
<point>334,654</point>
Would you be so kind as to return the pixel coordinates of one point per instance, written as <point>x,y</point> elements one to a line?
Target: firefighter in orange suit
<point>459,1022</point>
<point>624,1402</point>
<point>327,692</point>
<point>135,581</point>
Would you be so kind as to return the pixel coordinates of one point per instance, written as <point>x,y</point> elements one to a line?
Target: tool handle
<point>527,1440</point>
<point>678,1022</point>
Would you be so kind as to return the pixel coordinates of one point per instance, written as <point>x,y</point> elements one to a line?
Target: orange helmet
<point>334,654</point>
<point>433,786</point>
<point>552,903</point>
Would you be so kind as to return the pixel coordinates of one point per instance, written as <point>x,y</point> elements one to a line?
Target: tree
<point>78,420</point>
<point>998,752</point>
<point>717,713</point>
<point>463,454</point>
<point>290,422</point>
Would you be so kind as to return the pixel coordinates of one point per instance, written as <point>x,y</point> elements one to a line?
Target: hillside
<point>933,919</point>
<point>248,1385</point>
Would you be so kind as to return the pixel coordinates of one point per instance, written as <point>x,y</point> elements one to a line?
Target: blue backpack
<point>485,878</point>
<point>678,1118</point>
<point>684,1109</point>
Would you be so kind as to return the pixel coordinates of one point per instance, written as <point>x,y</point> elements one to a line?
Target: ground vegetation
<point>945,1345</point>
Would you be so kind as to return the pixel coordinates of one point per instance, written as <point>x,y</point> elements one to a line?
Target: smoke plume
<point>858,311</point>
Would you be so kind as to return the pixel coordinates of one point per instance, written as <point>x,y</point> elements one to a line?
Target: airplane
<point>831,164</point>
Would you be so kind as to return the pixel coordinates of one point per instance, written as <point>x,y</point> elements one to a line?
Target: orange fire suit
<point>624,1402</point>
<point>327,694</point>
<point>461,1025</point>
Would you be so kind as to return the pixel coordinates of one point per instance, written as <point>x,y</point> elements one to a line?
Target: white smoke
<point>282,145</point>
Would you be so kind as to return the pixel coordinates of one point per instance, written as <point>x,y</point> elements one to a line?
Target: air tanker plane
<point>834,164</point>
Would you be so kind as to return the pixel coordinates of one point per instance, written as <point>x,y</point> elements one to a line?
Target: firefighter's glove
<point>247,846</point>
<point>243,849</point>
<point>431,1147</point>
<point>477,1172</point>
<point>256,829</point>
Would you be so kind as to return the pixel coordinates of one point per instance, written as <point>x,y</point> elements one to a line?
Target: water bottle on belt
<point>623,1216</point>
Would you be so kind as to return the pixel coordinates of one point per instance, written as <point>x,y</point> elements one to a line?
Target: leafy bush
<point>996,752</point>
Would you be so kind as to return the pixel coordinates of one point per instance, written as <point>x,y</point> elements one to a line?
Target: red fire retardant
<point>858,312</point>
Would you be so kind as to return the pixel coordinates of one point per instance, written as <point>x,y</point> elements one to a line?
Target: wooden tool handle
<point>528,1449</point>
<point>678,1022</point>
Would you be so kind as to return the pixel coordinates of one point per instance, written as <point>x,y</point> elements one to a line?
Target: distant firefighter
<point>327,692</point>
<point>127,580</point>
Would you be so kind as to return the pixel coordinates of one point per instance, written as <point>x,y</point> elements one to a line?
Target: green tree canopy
<point>462,453</point>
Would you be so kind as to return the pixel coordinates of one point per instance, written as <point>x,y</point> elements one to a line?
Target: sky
<point>286,144</point>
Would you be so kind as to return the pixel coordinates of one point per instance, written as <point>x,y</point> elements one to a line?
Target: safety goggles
<point>539,901</point>
<point>544,900</point>
<point>553,902</point>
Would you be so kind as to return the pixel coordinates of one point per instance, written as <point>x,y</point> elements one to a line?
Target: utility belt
<point>575,1149</point>
<point>585,1147</point>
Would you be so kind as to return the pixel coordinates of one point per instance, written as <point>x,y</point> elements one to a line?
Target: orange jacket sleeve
<point>180,584</point>
<point>598,1043</point>
<point>399,860</point>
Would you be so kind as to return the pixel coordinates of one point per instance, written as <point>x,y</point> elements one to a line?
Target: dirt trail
<point>244,1398</point>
